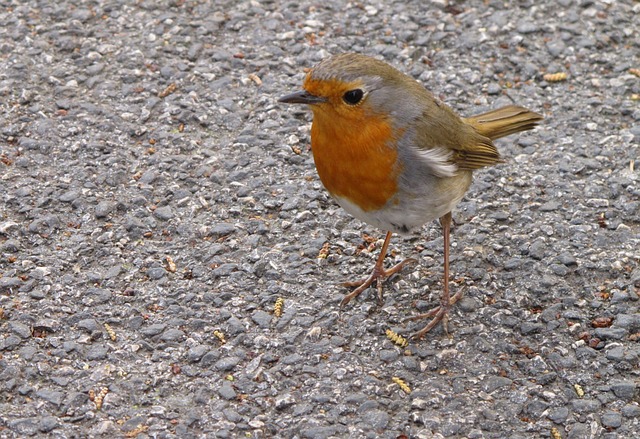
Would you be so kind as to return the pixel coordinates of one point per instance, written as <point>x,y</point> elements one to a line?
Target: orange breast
<point>356,157</point>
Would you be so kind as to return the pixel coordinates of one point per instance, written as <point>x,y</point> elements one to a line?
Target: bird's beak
<point>302,97</point>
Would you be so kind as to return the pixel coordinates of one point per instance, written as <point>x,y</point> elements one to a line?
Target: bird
<point>396,157</point>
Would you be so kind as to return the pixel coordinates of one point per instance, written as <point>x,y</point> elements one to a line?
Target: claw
<point>379,275</point>
<point>437,315</point>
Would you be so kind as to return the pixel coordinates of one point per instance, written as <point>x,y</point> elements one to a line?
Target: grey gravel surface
<point>151,184</point>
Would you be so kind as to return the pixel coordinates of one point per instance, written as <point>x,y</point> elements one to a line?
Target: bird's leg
<point>440,314</point>
<point>378,275</point>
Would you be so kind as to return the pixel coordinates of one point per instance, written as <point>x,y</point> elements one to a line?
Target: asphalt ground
<point>157,202</point>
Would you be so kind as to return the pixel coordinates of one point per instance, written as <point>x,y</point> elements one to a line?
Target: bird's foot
<point>379,275</point>
<point>437,315</point>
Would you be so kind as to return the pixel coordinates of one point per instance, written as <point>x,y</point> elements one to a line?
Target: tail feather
<point>504,121</point>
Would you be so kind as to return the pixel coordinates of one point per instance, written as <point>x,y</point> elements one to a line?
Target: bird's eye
<point>353,97</point>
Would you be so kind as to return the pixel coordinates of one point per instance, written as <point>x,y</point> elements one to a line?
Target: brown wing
<point>471,139</point>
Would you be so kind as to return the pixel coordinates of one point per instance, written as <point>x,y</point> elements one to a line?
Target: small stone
<point>69,196</point>
<point>567,259</point>
<point>10,245</point>
<point>585,405</point>
<point>376,419</point>
<point>154,329</point>
<point>227,363</point>
<point>148,177</point>
<point>528,328</point>
<point>107,428</point>
<point>235,326</point>
<point>24,426</point>
<point>623,389</point>
<point>631,410</point>
<point>172,335</point>
<point>635,277</point>
<point>104,208</point>
<point>493,383</point>
<point>222,229</point>
<point>616,353</point>
<point>210,358</point>
<point>113,272</point>
<point>293,359</point>
<point>559,270</point>
<point>494,89</point>
<point>28,352</point>
<point>156,273</point>
<point>10,342</point>
<point>52,396</point>
<point>285,401</point>
<point>164,213</point>
<point>225,269</point>
<point>20,329</point>
<point>597,202</point>
<point>196,353</point>
<point>549,206</point>
<point>97,353</point>
<point>619,296</point>
<point>526,27</point>
<point>95,69</point>
<point>611,333</point>
<point>500,215</point>
<point>7,226</point>
<point>227,391</point>
<point>9,282</point>
<point>611,419</point>
<point>48,423</point>
<point>556,47</point>
<point>537,249</point>
<point>579,431</point>
<point>388,355</point>
<point>262,318</point>
<point>512,263</point>
<point>558,415</point>
<point>90,325</point>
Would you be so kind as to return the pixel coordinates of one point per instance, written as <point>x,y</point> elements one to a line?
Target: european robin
<point>394,156</point>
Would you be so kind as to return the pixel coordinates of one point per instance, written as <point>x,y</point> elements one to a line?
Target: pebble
<point>585,405</point>
<point>227,363</point>
<point>172,334</point>
<point>164,213</point>
<point>631,410</point>
<point>24,426</point>
<point>48,424</point>
<point>611,419</point>
<point>578,431</point>
<point>558,415</point>
<point>262,318</point>
<point>154,329</point>
<point>624,389</point>
<point>96,353</point>
<point>20,329</point>
<point>196,353</point>
<point>52,396</point>
<point>227,391</point>
<point>104,208</point>
<point>376,419</point>
<point>90,325</point>
<point>222,229</point>
<point>284,401</point>
<point>611,333</point>
<point>492,383</point>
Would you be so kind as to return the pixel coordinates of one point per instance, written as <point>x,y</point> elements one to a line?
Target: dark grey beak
<point>302,97</point>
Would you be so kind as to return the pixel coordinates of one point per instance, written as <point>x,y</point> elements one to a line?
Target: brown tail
<point>504,121</point>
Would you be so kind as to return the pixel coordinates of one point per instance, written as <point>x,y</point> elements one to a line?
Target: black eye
<point>352,97</point>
